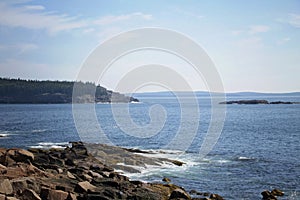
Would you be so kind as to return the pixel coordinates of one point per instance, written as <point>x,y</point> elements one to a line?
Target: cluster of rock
<point>271,195</point>
<point>256,102</point>
<point>127,160</point>
<point>74,174</point>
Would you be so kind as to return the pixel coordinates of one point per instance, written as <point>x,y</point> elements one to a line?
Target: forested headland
<point>35,91</point>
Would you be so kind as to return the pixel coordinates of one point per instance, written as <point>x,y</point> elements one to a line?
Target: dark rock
<point>216,197</point>
<point>246,102</point>
<point>268,196</point>
<point>165,179</point>
<point>281,102</point>
<point>110,183</point>
<point>20,155</point>
<point>206,194</point>
<point>179,194</point>
<point>94,197</point>
<point>29,194</point>
<point>79,149</point>
<point>77,171</point>
<point>94,174</point>
<point>19,185</point>
<point>56,161</point>
<point>277,192</point>
<point>177,162</point>
<point>87,177</point>
<point>70,162</point>
<point>71,196</point>
<point>193,192</point>
<point>105,174</point>
<point>118,177</point>
<point>136,151</point>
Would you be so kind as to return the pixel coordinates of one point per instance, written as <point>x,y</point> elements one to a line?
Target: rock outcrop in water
<point>256,102</point>
<point>271,195</point>
<point>74,174</point>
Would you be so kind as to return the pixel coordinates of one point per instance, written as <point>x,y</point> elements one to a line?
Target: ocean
<point>258,148</point>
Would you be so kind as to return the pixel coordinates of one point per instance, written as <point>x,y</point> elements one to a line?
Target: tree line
<point>35,91</point>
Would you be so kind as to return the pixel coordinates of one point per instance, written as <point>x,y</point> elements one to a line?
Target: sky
<point>254,45</point>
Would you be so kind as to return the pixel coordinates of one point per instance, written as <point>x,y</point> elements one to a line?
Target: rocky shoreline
<point>82,172</point>
<point>75,174</point>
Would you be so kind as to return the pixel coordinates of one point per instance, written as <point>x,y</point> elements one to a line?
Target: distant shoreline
<point>255,101</point>
<point>18,91</point>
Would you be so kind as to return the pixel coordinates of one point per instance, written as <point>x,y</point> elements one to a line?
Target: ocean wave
<point>50,145</point>
<point>38,130</point>
<point>6,134</point>
<point>243,158</point>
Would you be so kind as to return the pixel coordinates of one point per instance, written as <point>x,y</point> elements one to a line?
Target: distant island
<point>256,102</point>
<point>14,91</point>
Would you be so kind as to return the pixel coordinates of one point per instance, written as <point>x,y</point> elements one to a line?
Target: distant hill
<point>168,94</point>
<point>33,91</point>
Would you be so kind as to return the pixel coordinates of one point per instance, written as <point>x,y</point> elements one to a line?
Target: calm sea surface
<point>257,150</point>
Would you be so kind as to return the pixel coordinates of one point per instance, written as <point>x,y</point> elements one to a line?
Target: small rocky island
<point>254,101</point>
<point>18,91</point>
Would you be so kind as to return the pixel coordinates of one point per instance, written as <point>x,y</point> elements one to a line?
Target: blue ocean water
<point>257,150</point>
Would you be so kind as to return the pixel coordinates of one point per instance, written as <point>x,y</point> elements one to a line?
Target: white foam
<point>4,135</point>
<point>156,171</point>
<point>164,167</point>
<point>136,102</point>
<point>223,161</point>
<point>38,130</point>
<point>50,145</point>
<point>244,158</point>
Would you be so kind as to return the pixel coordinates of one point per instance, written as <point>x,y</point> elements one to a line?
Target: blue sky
<point>255,45</point>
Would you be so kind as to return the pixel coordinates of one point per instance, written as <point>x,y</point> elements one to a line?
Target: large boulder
<point>85,186</point>
<point>179,194</point>
<point>29,194</point>
<point>2,197</point>
<point>5,187</point>
<point>267,195</point>
<point>20,155</point>
<point>277,192</point>
<point>50,194</point>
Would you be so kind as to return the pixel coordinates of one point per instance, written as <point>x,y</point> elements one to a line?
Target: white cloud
<point>237,32</point>
<point>258,29</point>
<point>188,13</point>
<point>35,7</point>
<point>22,17</point>
<point>36,17</point>
<point>88,30</point>
<point>118,18</point>
<point>14,68</point>
<point>294,20</point>
<point>283,41</point>
<point>251,30</point>
<point>250,43</point>
<point>19,48</point>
